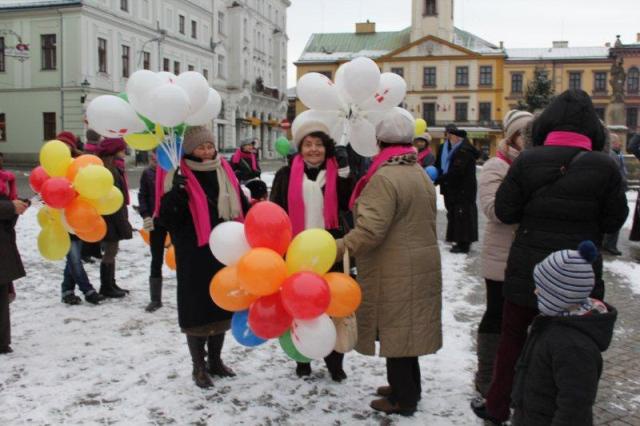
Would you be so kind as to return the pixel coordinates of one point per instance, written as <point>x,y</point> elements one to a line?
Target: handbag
<point>347,327</point>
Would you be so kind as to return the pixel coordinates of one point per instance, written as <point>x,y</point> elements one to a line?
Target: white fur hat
<point>307,128</point>
<point>397,126</point>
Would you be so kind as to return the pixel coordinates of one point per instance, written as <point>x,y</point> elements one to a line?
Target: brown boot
<point>388,407</point>
<point>384,391</point>
<point>196,349</point>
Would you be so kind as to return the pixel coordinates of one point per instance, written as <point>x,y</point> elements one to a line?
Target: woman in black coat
<point>112,152</point>
<point>205,193</point>
<point>562,191</point>
<point>634,148</point>
<point>245,161</point>
<point>456,164</point>
<point>322,175</point>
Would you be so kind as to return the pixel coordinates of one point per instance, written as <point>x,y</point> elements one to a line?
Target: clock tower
<point>432,17</point>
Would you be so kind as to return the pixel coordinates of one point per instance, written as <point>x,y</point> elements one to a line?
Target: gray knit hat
<point>195,136</point>
<point>514,121</point>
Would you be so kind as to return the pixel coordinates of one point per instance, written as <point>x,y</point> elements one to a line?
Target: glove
<point>179,181</point>
<point>342,156</point>
<point>344,172</point>
<point>147,224</point>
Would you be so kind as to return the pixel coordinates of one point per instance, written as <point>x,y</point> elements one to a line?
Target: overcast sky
<point>519,23</point>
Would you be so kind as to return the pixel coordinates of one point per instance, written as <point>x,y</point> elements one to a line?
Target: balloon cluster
<point>352,106</point>
<point>291,298</point>
<point>76,193</point>
<point>152,103</point>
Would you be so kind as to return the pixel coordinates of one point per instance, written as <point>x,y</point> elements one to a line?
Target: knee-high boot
<point>215,365</point>
<point>196,349</point>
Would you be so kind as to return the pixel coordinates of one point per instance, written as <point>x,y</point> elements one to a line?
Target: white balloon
<point>358,79</point>
<point>170,105</point>
<point>167,77</point>
<point>208,112</point>
<point>228,242</point>
<point>196,87</point>
<point>318,92</point>
<point>314,338</point>
<point>390,93</point>
<point>139,86</point>
<point>362,137</point>
<point>113,117</point>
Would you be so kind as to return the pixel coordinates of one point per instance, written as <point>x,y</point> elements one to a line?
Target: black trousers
<point>403,375</point>
<point>5,323</point>
<point>491,322</point>
<point>156,240</point>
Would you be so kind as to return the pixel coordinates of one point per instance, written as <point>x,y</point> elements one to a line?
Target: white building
<point>82,49</point>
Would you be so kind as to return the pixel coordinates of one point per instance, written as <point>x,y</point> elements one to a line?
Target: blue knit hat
<point>565,279</point>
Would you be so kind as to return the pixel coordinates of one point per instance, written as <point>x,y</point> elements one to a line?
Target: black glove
<point>342,156</point>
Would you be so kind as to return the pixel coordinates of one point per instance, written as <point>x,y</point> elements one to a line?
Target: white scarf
<point>314,201</point>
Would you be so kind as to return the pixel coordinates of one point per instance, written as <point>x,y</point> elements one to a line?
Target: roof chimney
<point>365,27</point>
<point>561,44</point>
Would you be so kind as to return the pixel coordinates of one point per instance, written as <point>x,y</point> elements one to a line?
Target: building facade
<point>78,50</point>
<point>630,53</point>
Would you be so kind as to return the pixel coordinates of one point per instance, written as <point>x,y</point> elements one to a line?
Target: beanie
<point>425,137</point>
<point>565,278</point>
<point>111,146</point>
<point>514,121</point>
<point>306,128</point>
<point>397,126</point>
<point>69,139</point>
<point>196,136</point>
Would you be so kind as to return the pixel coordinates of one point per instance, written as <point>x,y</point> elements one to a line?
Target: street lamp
<point>83,89</point>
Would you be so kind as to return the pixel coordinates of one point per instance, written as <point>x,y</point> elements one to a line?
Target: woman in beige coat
<point>497,242</point>
<point>395,246</point>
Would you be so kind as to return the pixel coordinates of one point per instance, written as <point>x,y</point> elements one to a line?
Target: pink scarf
<point>503,157</point>
<point>161,174</point>
<point>198,200</point>
<point>422,155</point>
<point>120,164</point>
<point>249,156</point>
<point>8,184</point>
<point>295,198</point>
<point>384,156</point>
<point>571,139</point>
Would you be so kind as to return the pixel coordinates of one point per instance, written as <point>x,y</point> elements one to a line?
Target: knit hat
<point>514,121</point>
<point>565,278</point>
<point>69,139</point>
<point>249,141</point>
<point>196,136</point>
<point>397,126</point>
<point>425,137</point>
<point>458,132</point>
<point>111,146</point>
<point>306,128</point>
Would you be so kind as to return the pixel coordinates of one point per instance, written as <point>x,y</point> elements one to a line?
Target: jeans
<point>157,240</point>
<point>74,272</point>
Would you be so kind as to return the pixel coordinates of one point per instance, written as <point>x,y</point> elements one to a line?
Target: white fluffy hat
<point>307,128</point>
<point>397,126</point>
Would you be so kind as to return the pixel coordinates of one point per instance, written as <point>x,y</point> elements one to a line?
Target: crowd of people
<point>553,196</point>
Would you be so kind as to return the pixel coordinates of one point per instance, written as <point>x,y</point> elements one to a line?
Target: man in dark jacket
<point>610,241</point>
<point>634,148</point>
<point>456,164</point>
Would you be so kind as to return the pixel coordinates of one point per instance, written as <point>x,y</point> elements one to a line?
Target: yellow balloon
<point>421,127</point>
<point>93,182</point>
<point>48,216</point>
<point>159,132</point>
<point>109,204</point>
<point>313,250</point>
<point>142,141</point>
<point>55,158</point>
<point>54,242</point>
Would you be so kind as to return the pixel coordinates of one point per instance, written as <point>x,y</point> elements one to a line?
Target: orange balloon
<point>170,258</point>
<point>80,162</point>
<point>345,294</point>
<point>167,241</point>
<point>261,271</point>
<point>145,236</point>
<point>226,292</point>
<point>96,233</point>
<point>81,215</point>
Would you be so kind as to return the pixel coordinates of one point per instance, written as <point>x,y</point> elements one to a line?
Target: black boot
<point>115,285</point>
<point>486,351</point>
<point>215,365</point>
<point>303,369</point>
<point>155,290</point>
<point>107,272</point>
<point>334,365</point>
<point>196,349</point>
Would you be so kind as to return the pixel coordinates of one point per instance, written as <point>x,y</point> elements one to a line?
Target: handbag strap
<point>563,171</point>
<point>346,262</point>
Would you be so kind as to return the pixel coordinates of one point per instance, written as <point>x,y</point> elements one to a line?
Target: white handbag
<point>347,327</point>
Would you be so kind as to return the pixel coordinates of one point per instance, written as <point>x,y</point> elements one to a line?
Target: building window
<point>429,113</point>
<point>125,61</point>
<point>176,67</point>
<point>194,29</point>
<point>48,42</point>
<point>633,80</point>
<point>486,75</point>
<point>327,74</point>
<point>3,128</point>
<point>205,74</point>
<point>146,60</point>
<point>220,23</point>
<point>221,114</point>
<point>429,77</point>
<point>49,125</point>
<point>484,111</point>
<point>575,80</point>
<point>181,24</point>
<point>398,71</point>
<point>190,67</point>
<point>166,64</point>
<point>600,111</point>
<point>462,76</point>
<point>632,119</point>
<point>600,82</point>
<point>124,5</point>
<point>430,8</point>
<point>517,82</point>
<point>220,135</point>
<point>2,66</point>
<point>102,55</point>
<point>461,112</point>
<point>221,73</point>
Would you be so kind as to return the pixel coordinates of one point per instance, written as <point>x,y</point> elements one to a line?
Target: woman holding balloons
<point>112,153</point>
<point>205,193</point>
<point>315,190</point>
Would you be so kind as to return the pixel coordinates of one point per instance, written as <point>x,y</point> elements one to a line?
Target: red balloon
<point>305,295</point>
<point>268,318</point>
<point>57,192</point>
<point>37,178</point>
<point>268,225</point>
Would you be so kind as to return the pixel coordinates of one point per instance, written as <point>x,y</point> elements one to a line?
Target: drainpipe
<point>61,70</point>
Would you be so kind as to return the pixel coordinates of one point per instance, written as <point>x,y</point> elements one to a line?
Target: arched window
<point>633,80</point>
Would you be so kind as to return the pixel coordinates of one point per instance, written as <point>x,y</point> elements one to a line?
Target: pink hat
<point>111,146</point>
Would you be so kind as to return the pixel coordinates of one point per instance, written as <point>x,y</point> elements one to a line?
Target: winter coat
<point>634,148</point>
<point>396,249</point>
<point>459,189</point>
<point>556,377</point>
<point>10,262</point>
<point>619,159</point>
<point>243,170</point>
<point>118,226</point>
<point>497,236</point>
<point>428,160</point>
<point>558,204</point>
<point>147,192</point>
